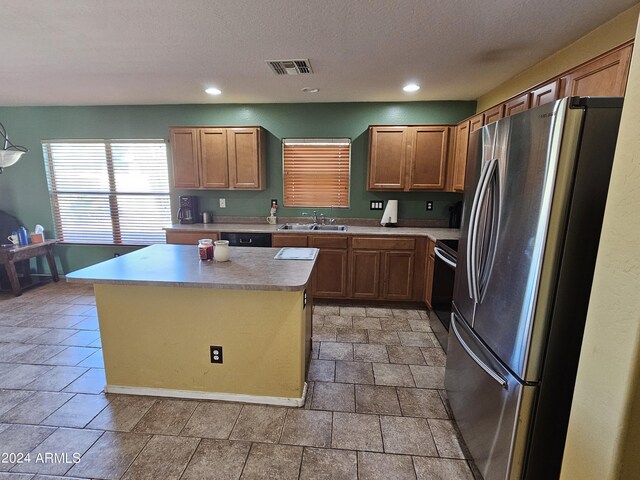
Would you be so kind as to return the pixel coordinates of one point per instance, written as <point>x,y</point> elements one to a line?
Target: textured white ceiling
<point>90,52</point>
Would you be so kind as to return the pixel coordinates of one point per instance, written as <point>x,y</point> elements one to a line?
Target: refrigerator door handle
<point>492,201</point>
<point>472,234</point>
<point>497,377</point>
<point>481,192</point>
<point>444,256</point>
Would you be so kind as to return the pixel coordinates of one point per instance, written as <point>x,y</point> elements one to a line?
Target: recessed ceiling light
<point>213,91</point>
<point>412,87</point>
<point>310,90</point>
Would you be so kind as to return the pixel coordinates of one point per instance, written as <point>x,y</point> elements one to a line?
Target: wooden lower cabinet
<point>365,274</point>
<point>397,275</point>
<point>384,268</point>
<point>288,240</point>
<point>428,281</point>
<point>330,276</point>
<point>189,238</point>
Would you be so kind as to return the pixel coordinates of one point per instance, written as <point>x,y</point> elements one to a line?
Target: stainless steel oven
<point>444,272</point>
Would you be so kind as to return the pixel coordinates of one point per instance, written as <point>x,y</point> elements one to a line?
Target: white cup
<point>272,220</point>
<point>13,239</point>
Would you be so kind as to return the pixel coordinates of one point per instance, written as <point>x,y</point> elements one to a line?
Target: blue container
<point>23,236</point>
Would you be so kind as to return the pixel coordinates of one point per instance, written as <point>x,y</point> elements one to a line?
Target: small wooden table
<point>10,255</point>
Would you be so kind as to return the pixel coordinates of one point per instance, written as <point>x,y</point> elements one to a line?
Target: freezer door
<point>491,407</point>
<point>513,290</point>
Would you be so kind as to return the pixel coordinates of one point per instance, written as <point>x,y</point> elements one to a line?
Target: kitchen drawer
<point>189,238</point>
<point>328,241</point>
<point>288,240</point>
<point>381,243</point>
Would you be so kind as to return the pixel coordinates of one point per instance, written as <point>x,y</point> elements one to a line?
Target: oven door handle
<point>444,256</point>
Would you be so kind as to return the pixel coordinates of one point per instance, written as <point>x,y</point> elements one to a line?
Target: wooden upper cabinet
<point>408,158</point>
<point>493,114</point>
<point>246,161</point>
<point>604,76</point>
<point>185,146</point>
<point>219,158</point>
<point>214,159</point>
<point>517,104</point>
<point>545,94</point>
<point>387,158</point>
<point>460,155</point>
<point>428,158</point>
<point>476,122</point>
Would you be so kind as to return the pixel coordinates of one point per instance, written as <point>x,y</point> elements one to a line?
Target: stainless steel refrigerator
<point>535,193</point>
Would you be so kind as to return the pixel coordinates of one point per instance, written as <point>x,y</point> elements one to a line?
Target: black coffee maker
<point>188,211</point>
<point>455,215</point>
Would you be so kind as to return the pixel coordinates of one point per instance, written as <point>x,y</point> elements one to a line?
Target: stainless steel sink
<point>297,226</point>
<point>333,228</point>
<point>313,226</point>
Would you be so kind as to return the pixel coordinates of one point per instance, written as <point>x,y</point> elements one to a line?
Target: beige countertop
<point>433,233</point>
<point>179,266</point>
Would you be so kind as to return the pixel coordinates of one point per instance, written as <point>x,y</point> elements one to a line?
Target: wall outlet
<point>223,203</point>
<point>216,353</point>
<point>376,205</point>
<point>429,205</point>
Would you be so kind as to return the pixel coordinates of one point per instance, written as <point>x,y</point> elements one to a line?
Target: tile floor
<point>376,408</point>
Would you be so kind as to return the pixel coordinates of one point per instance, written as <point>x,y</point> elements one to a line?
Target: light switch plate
<point>376,204</point>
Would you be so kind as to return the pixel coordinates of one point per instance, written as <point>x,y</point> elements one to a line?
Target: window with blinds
<point>316,172</point>
<point>108,191</point>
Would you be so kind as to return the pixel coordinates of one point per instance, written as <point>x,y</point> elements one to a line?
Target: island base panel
<point>159,338</point>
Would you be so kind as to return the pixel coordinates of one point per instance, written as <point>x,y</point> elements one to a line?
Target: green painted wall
<point>23,187</point>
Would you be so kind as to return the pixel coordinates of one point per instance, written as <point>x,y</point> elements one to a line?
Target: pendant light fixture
<point>9,153</point>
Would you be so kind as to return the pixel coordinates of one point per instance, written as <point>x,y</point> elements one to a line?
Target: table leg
<point>25,265</point>
<point>52,265</point>
<point>13,278</point>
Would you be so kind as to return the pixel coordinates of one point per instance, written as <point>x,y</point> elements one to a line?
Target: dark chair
<point>8,224</point>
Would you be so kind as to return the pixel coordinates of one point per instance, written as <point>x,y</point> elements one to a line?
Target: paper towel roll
<point>390,215</point>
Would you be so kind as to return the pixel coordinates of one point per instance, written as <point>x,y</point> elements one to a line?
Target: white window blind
<point>316,172</point>
<point>108,192</point>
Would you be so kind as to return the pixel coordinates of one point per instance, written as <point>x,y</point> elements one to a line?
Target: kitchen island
<point>162,311</point>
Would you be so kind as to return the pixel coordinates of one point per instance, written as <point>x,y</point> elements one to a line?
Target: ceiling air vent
<point>290,67</point>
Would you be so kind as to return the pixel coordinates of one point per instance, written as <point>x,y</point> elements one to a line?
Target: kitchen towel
<point>390,214</point>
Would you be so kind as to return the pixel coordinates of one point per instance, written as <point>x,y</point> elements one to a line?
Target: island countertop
<point>179,266</point>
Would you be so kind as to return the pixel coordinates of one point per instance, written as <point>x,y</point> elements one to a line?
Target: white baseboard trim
<point>227,397</point>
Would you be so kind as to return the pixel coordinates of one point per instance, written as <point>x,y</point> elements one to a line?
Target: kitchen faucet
<point>313,217</point>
